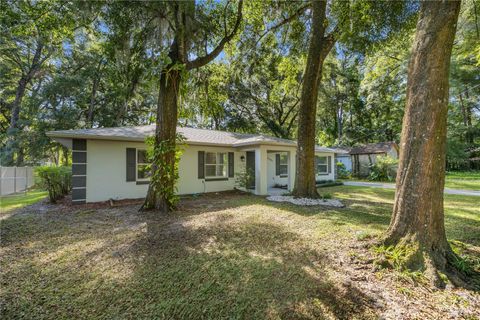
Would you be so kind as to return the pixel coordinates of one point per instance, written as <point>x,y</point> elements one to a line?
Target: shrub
<point>56,180</point>
<point>384,169</point>
<point>244,179</point>
<point>326,196</point>
<point>342,172</point>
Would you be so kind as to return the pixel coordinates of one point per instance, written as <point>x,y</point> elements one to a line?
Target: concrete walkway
<point>392,186</point>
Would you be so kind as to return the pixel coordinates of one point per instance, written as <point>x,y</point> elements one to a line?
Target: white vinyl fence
<point>15,179</point>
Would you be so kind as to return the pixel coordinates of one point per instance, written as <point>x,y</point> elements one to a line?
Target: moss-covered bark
<point>319,46</point>
<point>418,213</point>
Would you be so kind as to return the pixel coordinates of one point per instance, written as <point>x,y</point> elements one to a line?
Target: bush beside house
<point>342,172</point>
<point>56,180</point>
<point>384,169</point>
<point>365,156</point>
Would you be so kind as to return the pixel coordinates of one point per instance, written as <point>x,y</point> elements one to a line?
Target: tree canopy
<point>67,65</point>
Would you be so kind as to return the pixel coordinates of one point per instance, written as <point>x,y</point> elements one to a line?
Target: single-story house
<point>364,156</point>
<point>110,163</point>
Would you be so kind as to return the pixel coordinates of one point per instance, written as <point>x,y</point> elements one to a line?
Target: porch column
<point>261,170</point>
<point>291,169</point>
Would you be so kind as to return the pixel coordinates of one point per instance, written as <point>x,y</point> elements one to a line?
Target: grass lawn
<point>468,180</point>
<point>220,256</point>
<point>8,203</point>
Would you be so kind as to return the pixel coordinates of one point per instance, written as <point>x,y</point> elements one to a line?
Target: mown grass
<point>219,256</point>
<point>465,180</point>
<point>462,213</point>
<point>11,202</point>
<point>464,175</point>
<point>468,180</point>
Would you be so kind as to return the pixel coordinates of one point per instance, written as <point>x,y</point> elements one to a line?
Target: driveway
<point>392,186</point>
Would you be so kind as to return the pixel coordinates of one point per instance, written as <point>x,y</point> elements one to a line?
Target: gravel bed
<point>307,201</point>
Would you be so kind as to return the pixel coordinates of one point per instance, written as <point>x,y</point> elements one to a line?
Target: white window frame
<point>137,164</point>
<point>323,164</point>
<point>283,175</point>
<point>216,165</point>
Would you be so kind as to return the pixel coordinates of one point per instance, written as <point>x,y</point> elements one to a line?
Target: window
<point>283,166</point>
<point>216,164</point>
<point>322,165</point>
<point>143,166</point>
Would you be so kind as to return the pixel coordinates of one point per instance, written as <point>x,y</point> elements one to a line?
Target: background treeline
<point>66,65</point>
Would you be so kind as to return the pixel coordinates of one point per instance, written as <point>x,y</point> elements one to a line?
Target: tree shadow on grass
<point>376,214</point>
<point>213,264</point>
<point>230,267</point>
<point>358,213</point>
<point>212,259</point>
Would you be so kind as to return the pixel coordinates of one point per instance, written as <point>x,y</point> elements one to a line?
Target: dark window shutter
<point>329,162</point>
<point>277,164</point>
<point>316,164</point>
<point>231,165</point>
<point>201,164</point>
<point>131,164</point>
<point>335,167</point>
<point>79,144</point>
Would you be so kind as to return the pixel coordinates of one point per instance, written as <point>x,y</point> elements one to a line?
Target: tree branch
<point>297,13</point>
<point>329,42</point>
<point>291,109</point>
<point>201,61</point>
<point>13,58</point>
<point>292,121</point>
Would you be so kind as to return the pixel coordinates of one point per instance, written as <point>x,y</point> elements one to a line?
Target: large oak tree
<point>332,22</point>
<point>26,46</point>
<point>319,46</point>
<point>418,215</point>
<point>186,26</point>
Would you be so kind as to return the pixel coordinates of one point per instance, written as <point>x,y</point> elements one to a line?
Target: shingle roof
<point>341,150</point>
<point>380,147</point>
<point>192,135</point>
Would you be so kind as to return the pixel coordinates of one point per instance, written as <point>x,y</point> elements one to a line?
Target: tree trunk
<point>19,94</point>
<point>65,156</point>
<point>339,115</point>
<point>12,144</point>
<point>93,96</point>
<point>418,215</point>
<point>161,191</point>
<point>162,184</point>
<point>319,47</point>
<point>467,118</point>
<point>468,113</point>
<point>23,82</point>
<point>20,157</point>
<point>123,112</point>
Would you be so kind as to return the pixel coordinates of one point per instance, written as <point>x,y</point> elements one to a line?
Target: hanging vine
<point>168,171</point>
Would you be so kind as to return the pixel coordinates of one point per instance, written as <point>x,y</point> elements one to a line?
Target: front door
<point>251,169</point>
